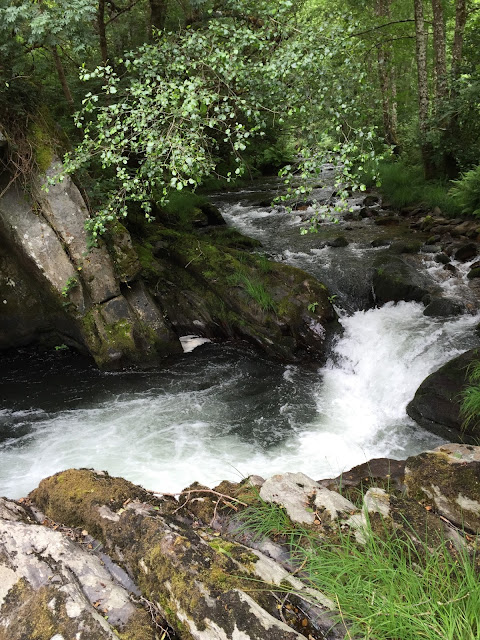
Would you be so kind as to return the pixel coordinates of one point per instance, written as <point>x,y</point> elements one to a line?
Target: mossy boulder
<point>447,479</point>
<point>437,402</point>
<point>202,585</point>
<point>394,279</point>
<point>209,287</point>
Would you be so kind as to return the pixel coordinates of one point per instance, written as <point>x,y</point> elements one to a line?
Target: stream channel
<point>224,411</point>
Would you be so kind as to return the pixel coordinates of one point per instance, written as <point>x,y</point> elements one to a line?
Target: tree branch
<point>381,26</point>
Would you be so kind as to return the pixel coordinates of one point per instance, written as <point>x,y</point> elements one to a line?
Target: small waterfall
<point>224,411</point>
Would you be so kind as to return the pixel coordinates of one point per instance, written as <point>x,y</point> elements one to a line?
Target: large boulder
<point>58,287</point>
<point>436,404</point>
<point>200,582</point>
<point>210,288</point>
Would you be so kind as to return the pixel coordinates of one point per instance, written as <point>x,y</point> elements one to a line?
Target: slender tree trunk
<point>439,45</point>
<point>102,34</point>
<point>423,102</point>
<point>453,132</point>
<point>460,22</point>
<point>158,14</point>
<point>387,80</point>
<point>62,77</point>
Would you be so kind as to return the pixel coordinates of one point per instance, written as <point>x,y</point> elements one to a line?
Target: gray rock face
<point>37,244</point>
<point>65,210</point>
<point>304,499</point>
<point>201,581</point>
<point>51,282</point>
<point>48,581</point>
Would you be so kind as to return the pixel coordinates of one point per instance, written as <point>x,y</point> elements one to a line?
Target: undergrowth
<point>470,398</point>
<point>404,185</point>
<point>390,588</point>
<point>466,192</point>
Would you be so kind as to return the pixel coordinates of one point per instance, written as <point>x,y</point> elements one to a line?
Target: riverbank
<point>113,560</point>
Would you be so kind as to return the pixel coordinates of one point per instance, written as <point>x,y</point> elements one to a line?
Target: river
<point>223,411</point>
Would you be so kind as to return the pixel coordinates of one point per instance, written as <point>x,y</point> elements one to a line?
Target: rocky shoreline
<point>88,557</point>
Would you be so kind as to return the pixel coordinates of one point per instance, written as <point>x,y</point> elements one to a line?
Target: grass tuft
<point>255,290</point>
<point>470,397</point>
<point>391,588</point>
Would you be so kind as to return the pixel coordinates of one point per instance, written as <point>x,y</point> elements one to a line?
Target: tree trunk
<point>387,80</point>
<point>158,14</point>
<point>423,102</point>
<point>102,34</point>
<point>460,21</point>
<point>439,46</point>
<point>62,77</point>
<point>453,133</point>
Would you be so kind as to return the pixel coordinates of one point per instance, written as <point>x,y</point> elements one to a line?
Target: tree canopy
<point>169,93</point>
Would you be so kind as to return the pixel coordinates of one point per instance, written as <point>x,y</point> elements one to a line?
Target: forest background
<point>155,96</point>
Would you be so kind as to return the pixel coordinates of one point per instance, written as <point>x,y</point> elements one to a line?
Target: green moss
<point>73,496</point>
<point>41,141</point>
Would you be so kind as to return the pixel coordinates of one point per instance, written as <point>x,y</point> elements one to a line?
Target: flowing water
<point>224,411</point>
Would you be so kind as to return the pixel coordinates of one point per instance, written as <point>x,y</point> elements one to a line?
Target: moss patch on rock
<point>74,496</point>
<point>448,485</point>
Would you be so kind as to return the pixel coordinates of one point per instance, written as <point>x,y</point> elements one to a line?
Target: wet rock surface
<point>437,402</point>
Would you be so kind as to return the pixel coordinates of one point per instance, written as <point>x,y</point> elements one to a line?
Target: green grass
<point>470,398</point>
<point>388,589</point>
<point>404,185</point>
<point>264,263</point>
<point>255,290</point>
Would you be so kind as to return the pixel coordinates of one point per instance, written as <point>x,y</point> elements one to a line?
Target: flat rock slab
<point>304,499</point>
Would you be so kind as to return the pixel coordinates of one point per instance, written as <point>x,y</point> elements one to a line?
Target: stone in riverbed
<point>394,280</point>
<point>466,252</point>
<point>339,241</point>
<point>473,273</point>
<point>444,307</point>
